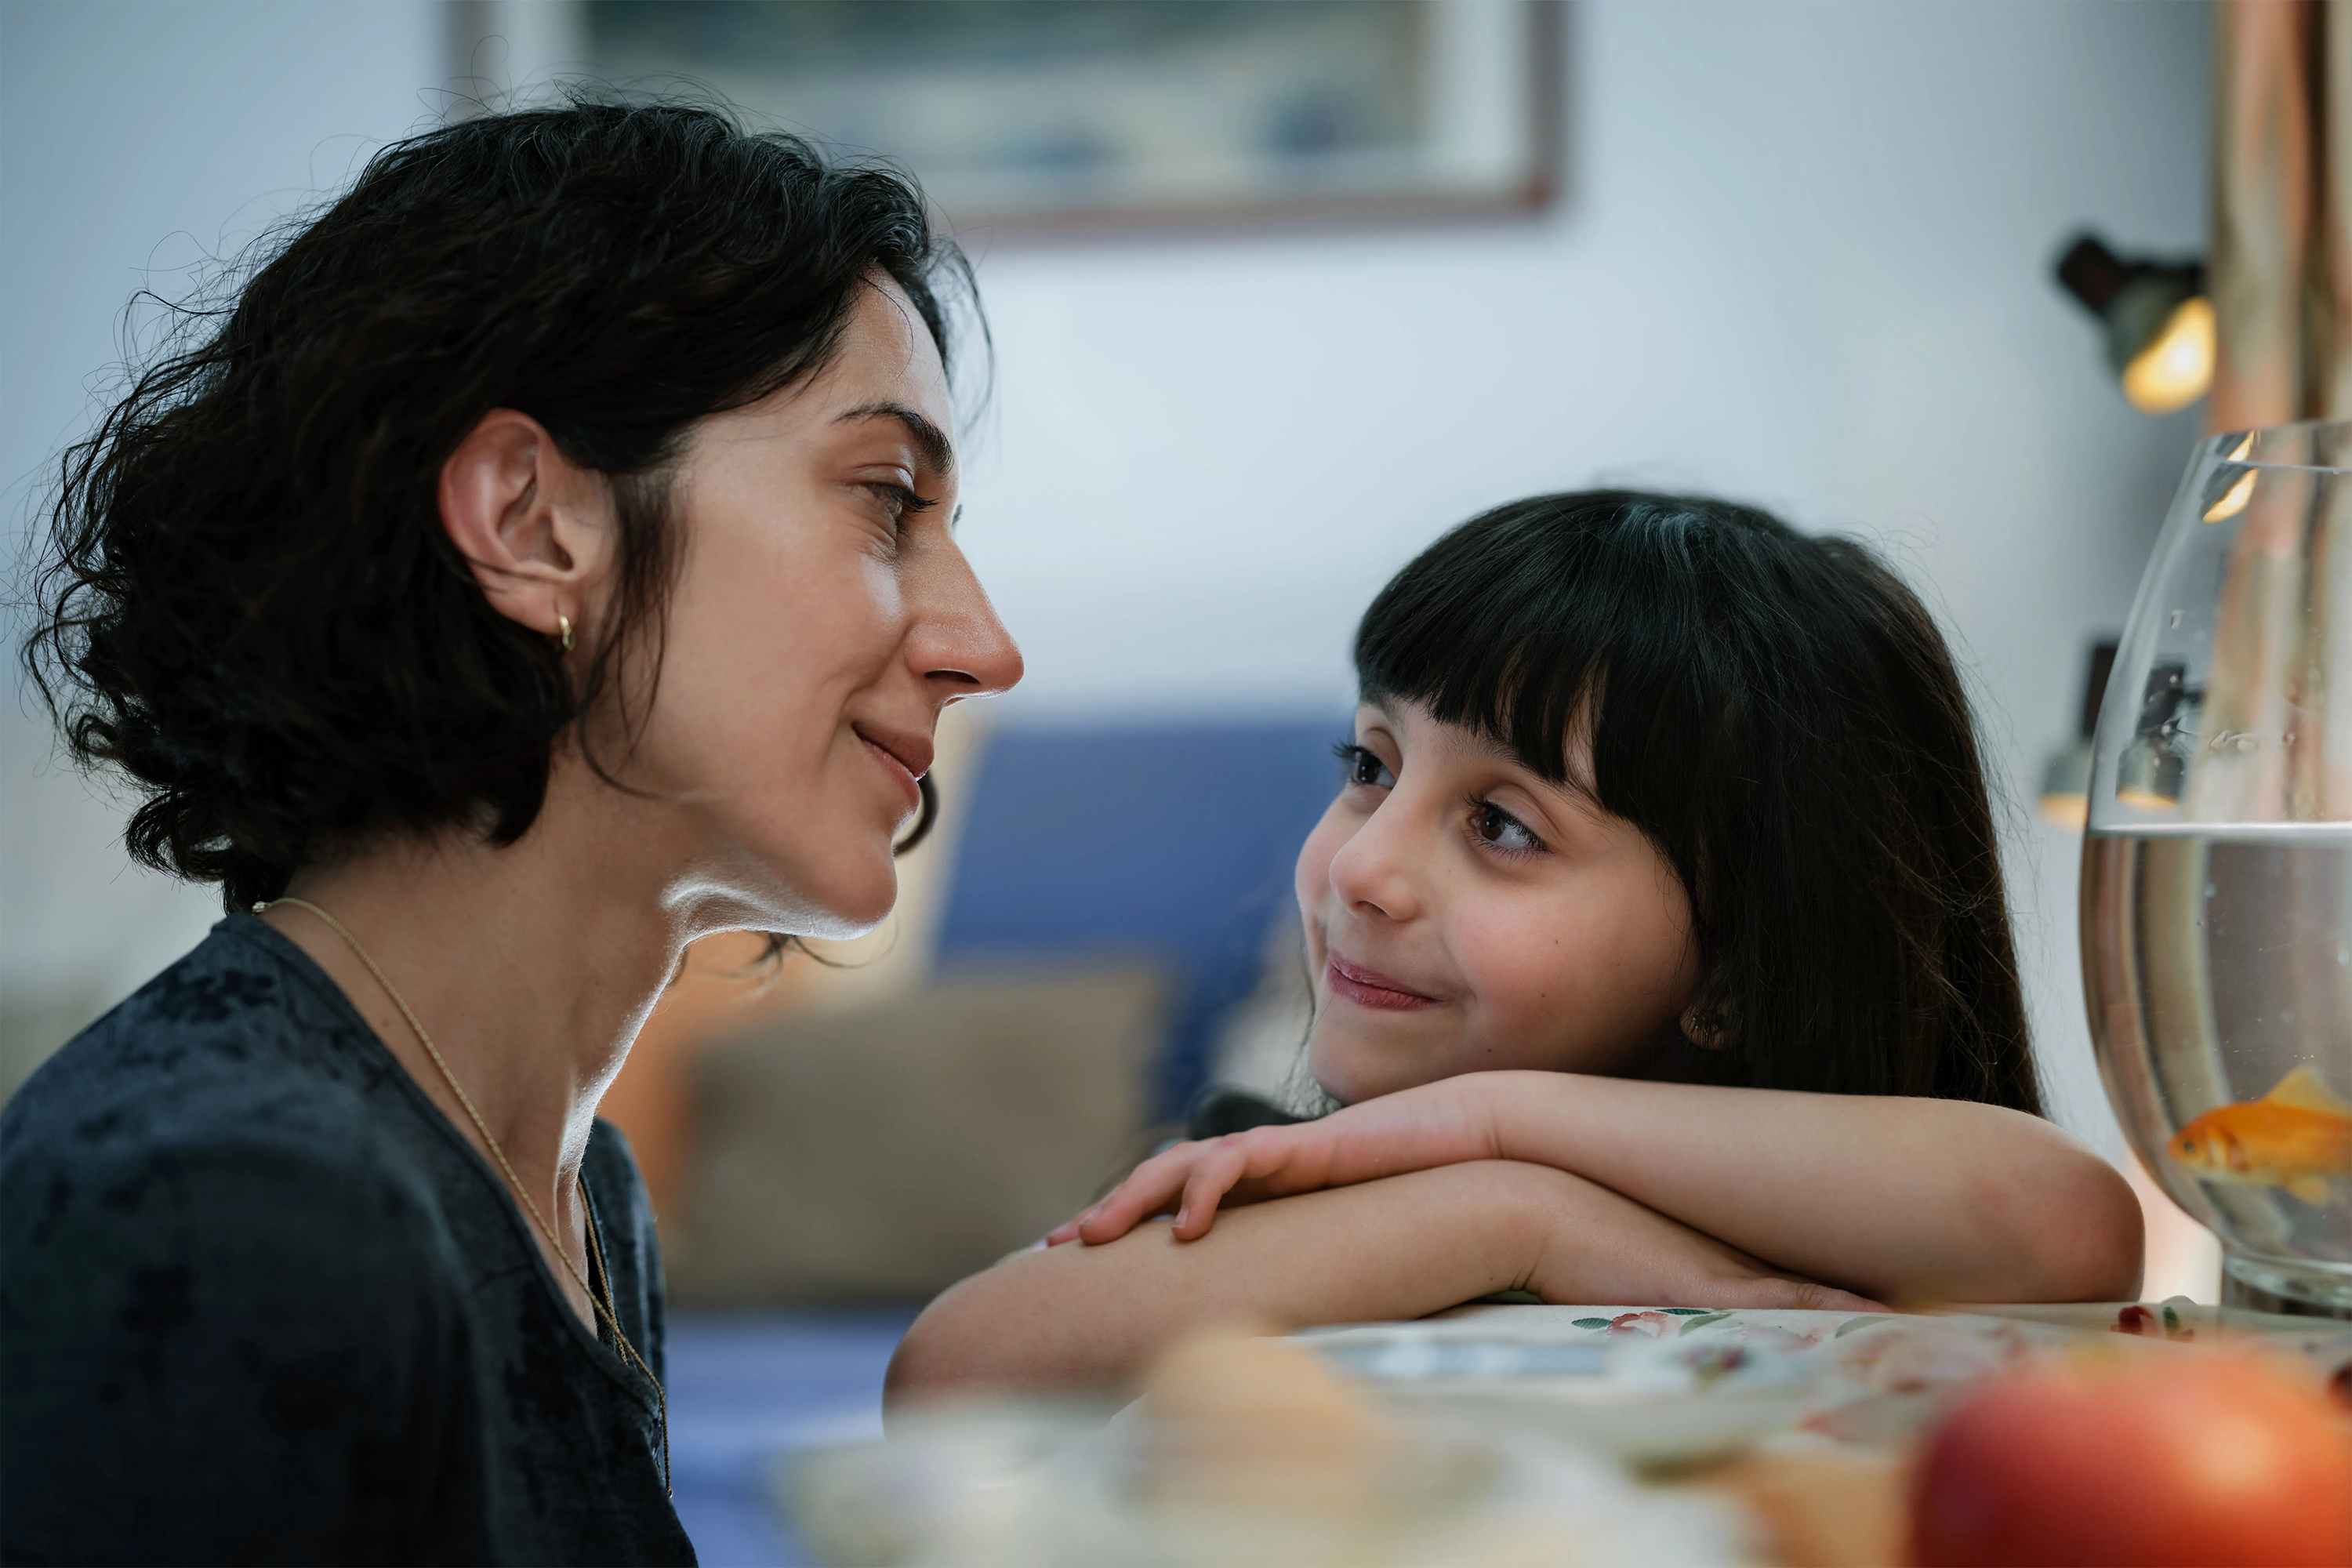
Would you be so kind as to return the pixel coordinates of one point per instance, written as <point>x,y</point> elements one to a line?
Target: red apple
<point>2197,1459</point>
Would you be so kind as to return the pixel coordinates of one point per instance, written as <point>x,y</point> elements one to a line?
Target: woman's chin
<point>860,916</point>
<point>836,904</point>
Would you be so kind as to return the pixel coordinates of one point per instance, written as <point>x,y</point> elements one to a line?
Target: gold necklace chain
<point>603,1308</point>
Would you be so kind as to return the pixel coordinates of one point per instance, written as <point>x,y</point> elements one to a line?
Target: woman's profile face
<point>1464,914</point>
<point>823,616</point>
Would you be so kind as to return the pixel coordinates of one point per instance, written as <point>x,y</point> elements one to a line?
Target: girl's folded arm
<point>1905,1199</point>
<point>1401,1248</point>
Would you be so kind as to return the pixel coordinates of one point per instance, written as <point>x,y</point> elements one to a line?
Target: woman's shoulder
<point>240,1054</point>
<point>243,1003</point>
<point>228,1290</point>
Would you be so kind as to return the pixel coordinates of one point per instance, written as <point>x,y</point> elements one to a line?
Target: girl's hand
<point>1192,1179</point>
<point>1443,1123</point>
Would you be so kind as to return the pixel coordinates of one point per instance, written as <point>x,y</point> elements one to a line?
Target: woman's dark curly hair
<point>1779,715</point>
<point>249,605</point>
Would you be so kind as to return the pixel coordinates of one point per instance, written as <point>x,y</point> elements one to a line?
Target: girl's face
<point>1463,914</point>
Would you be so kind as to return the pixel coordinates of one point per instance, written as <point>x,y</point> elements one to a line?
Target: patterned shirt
<point>259,1301</point>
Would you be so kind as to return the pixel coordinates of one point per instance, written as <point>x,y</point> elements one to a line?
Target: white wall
<point>137,139</point>
<point>1803,258</point>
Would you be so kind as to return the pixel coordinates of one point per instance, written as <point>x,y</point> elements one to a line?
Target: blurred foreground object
<point>1822,1506</point>
<point>1504,1434</point>
<point>1242,1451</point>
<point>2198,1462</point>
<point>2159,325</point>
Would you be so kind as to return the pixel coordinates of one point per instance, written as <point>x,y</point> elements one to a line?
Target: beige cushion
<point>884,1154</point>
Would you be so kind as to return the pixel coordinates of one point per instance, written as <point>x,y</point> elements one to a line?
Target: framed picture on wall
<point>1042,116</point>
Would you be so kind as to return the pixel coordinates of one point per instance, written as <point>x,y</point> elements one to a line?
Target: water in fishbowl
<point>2219,967</point>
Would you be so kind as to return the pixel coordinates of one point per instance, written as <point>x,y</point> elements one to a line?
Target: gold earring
<point>563,630</point>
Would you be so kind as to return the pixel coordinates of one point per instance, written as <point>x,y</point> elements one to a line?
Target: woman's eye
<point>898,503</point>
<point>1490,824</point>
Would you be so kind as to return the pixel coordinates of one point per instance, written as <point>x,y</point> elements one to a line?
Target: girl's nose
<point>1377,871</point>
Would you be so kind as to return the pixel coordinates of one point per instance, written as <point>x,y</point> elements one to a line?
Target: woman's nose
<point>959,647</point>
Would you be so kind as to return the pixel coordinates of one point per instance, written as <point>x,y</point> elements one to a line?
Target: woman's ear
<point>535,526</point>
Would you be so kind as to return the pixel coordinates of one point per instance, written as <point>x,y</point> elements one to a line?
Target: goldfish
<point>2296,1137</point>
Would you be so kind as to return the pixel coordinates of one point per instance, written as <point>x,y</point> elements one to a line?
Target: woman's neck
<point>531,967</point>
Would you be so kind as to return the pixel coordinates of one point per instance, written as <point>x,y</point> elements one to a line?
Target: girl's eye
<point>1364,765</point>
<point>1491,824</point>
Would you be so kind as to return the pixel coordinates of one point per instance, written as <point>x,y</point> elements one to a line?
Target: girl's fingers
<point>1193,1179</point>
<point>1153,1186</point>
<point>1115,1215</point>
<point>1212,1177</point>
<point>1068,1230</point>
<point>1285,1160</point>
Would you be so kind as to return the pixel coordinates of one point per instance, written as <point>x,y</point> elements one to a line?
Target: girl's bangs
<point>1532,636</point>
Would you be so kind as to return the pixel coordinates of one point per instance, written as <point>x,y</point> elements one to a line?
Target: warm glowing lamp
<point>2176,366</point>
<point>2159,325</point>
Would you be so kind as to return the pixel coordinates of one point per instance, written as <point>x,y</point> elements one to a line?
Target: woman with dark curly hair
<point>544,561</point>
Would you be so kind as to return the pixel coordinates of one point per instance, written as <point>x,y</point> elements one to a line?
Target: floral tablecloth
<point>1668,1385</point>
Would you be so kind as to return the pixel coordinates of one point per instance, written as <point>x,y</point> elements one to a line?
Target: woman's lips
<point>1371,988</point>
<point>899,758</point>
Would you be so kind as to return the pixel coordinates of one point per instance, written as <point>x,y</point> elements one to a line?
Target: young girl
<point>1660,957</point>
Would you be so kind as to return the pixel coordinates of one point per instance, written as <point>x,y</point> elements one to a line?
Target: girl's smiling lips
<point>903,755</point>
<point>1371,988</point>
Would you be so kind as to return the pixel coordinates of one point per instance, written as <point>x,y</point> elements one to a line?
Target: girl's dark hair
<point>1779,714</point>
<point>251,605</point>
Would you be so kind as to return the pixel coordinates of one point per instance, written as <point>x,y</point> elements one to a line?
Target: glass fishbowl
<point>2217,870</point>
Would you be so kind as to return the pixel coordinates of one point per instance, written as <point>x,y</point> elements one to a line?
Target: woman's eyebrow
<point>931,443</point>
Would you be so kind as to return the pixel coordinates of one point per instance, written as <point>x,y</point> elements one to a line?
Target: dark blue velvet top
<point>259,1302</point>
